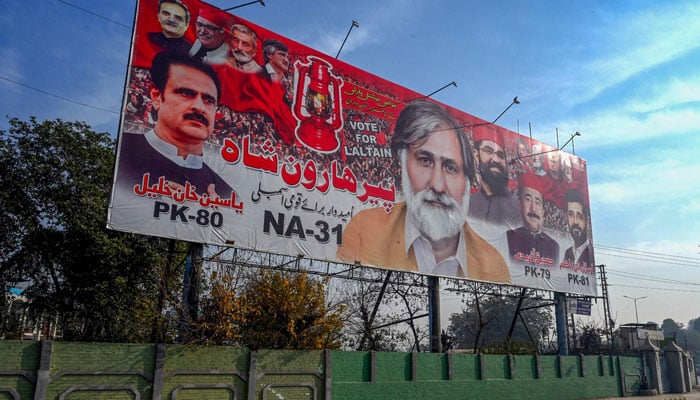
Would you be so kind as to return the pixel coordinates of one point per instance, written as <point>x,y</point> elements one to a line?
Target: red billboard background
<point>294,157</point>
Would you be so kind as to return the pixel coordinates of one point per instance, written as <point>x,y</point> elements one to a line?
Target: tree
<point>269,309</point>
<point>386,311</point>
<point>671,328</point>
<point>360,332</point>
<point>486,319</point>
<point>413,297</point>
<point>590,338</point>
<point>96,283</point>
<point>694,324</point>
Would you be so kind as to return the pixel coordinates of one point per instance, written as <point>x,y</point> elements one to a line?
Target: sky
<point>624,74</point>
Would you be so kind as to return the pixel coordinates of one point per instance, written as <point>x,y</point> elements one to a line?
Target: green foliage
<point>485,322</point>
<point>694,324</point>
<point>590,338</point>
<point>270,310</point>
<point>671,328</point>
<point>56,178</point>
<point>510,347</point>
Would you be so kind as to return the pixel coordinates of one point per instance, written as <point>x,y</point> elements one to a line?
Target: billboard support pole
<point>157,329</point>
<point>374,311</point>
<point>560,314</point>
<point>192,278</point>
<point>517,313</point>
<point>434,313</point>
<point>573,333</point>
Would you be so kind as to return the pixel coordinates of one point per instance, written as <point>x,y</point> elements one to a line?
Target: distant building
<point>21,324</point>
<point>631,336</point>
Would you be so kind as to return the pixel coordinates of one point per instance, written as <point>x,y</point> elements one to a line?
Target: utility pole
<point>606,303</point>
<point>560,315</point>
<point>635,305</point>
<point>193,270</point>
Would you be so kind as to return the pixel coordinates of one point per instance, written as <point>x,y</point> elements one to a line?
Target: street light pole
<point>635,305</point>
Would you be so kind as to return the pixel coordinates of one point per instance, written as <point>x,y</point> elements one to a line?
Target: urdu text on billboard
<point>234,135</point>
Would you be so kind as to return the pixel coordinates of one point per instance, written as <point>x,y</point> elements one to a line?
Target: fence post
<point>252,374</point>
<point>675,367</point>
<point>328,375</point>
<point>159,372</point>
<point>42,376</point>
<point>650,357</point>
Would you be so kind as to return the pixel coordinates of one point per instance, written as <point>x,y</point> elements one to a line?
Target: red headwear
<point>488,132</point>
<point>215,16</point>
<point>532,181</point>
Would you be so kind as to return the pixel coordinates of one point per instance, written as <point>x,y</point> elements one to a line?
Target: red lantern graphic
<point>317,105</point>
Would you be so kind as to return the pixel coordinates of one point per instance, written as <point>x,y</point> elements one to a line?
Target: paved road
<point>694,395</point>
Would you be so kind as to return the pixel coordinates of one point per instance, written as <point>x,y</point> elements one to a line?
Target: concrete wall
<point>470,376</point>
<point>70,370</point>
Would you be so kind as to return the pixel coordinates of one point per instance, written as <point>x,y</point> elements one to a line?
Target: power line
<point>646,253</point>
<point>57,96</point>
<point>631,254</point>
<point>656,288</point>
<point>95,14</point>
<point>653,259</point>
<point>652,278</point>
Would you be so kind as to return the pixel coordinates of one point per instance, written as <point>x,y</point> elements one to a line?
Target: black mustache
<point>198,117</point>
<point>533,215</point>
<point>493,164</point>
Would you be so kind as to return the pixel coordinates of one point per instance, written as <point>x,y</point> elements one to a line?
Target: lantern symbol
<point>317,105</point>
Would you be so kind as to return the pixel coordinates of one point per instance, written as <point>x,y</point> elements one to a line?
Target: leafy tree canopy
<point>56,178</point>
<point>269,310</point>
<point>485,322</point>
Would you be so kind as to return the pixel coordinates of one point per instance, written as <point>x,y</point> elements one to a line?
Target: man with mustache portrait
<point>427,233</point>
<point>185,92</point>
<point>581,253</point>
<point>530,244</point>
<point>493,202</point>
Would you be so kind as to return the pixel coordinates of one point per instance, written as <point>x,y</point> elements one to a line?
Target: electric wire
<point>601,248</point>
<point>651,259</point>
<point>652,278</point>
<point>57,96</point>
<point>645,253</point>
<point>655,288</point>
<point>95,14</point>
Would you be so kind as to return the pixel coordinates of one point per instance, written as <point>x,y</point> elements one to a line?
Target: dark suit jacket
<point>585,259</point>
<point>137,157</point>
<point>523,242</point>
<point>374,237</point>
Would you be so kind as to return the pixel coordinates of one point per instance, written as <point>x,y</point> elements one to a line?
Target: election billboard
<point>234,135</point>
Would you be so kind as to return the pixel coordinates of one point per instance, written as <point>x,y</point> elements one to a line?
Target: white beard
<point>435,223</point>
<point>241,57</point>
